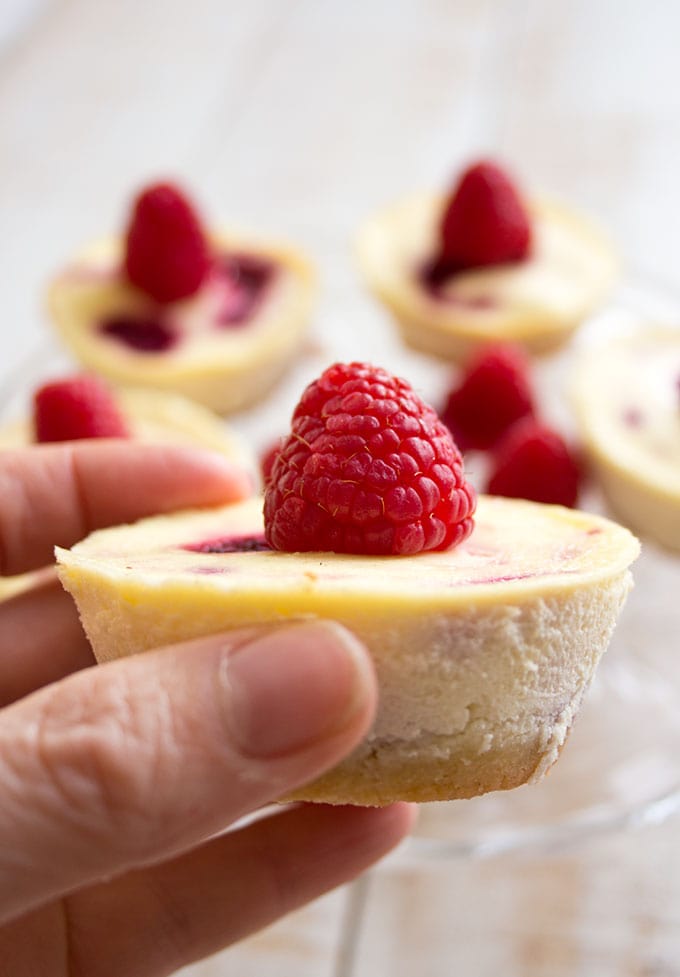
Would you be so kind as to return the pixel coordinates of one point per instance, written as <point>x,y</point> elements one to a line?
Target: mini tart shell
<point>480,677</point>
<point>576,264</point>
<point>240,365</point>
<point>154,418</point>
<point>641,486</point>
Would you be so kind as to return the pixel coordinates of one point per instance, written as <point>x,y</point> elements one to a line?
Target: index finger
<point>56,494</point>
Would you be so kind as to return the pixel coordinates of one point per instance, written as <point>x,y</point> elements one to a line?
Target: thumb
<point>129,763</point>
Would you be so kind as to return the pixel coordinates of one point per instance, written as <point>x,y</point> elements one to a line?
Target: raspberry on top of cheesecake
<point>217,316</point>
<point>484,263</point>
<point>484,626</point>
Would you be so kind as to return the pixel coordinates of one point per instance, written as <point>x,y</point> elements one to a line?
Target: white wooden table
<point>296,118</point>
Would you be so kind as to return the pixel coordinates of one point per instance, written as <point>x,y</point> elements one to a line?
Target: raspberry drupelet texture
<point>494,392</point>
<point>368,468</point>
<point>166,252</point>
<point>74,408</point>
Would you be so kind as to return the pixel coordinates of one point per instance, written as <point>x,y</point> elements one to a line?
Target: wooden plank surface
<point>606,909</point>
<point>296,118</point>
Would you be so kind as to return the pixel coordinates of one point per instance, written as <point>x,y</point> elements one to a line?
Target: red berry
<point>485,221</point>
<point>367,468</point>
<point>494,393</point>
<point>267,460</point>
<point>166,253</point>
<point>533,462</point>
<point>78,407</point>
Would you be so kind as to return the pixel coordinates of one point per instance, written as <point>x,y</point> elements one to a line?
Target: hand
<point>115,780</point>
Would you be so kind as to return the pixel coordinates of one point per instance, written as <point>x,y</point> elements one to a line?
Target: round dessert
<point>215,317</point>
<point>152,417</point>
<point>485,265</point>
<point>626,394</point>
<point>158,417</point>
<point>483,651</point>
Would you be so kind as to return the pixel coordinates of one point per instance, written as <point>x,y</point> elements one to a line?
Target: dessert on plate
<point>82,406</point>
<point>485,626</point>
<point>217,316</point>
<point>626,394</point>
<point>485,264</point>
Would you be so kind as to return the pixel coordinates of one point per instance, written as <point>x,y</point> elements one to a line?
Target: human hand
<point>115,780</point>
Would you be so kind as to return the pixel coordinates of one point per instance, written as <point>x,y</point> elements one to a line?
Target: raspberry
<point>78,407</point>
<point>267,460</point>
<point>485,221</point>
<point>494,393</point>
<point>368,468</point>
<point>533,462</point>
<point>166,253</point>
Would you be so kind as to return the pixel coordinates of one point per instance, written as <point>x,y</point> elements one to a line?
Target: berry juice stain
<point>433,276</point>
<point>247,279</point>
<point>632,417</point>
<point>230,544</point>
<point>144,334</point>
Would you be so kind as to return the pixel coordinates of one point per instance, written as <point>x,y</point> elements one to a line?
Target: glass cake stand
<point>621,764</point>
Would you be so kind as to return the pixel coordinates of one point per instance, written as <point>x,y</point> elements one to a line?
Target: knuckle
<point>104,765</point>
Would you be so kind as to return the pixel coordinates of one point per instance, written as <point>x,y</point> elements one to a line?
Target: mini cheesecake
<point>626,393</point>
<point>538,301</point>
<point>155,418</point>
<point>483,652</point>
<point>224,346</point>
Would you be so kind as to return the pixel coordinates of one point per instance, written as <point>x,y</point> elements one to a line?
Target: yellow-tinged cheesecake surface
<point>224,368</point>
<point>537,302</point>
<point>482,653</point>
<point>516,547</point>
<point>626,394</point>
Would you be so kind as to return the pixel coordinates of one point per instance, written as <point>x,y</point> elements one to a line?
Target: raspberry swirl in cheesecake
<point>484,263</point>
<point>216,316</point>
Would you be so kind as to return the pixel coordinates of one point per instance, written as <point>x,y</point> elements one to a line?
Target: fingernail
<point>294,686</point>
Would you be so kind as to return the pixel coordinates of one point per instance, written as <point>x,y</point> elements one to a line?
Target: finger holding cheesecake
<point>124,772</point>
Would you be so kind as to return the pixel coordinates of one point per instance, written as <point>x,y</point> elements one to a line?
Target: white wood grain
<point>610,908</point>
<point>305,944</point>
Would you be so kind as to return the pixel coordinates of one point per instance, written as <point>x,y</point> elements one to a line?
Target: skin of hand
<point>117,783</point>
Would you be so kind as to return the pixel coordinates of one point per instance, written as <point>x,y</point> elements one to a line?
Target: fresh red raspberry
<point>367,468</point>
<point>534,462</point>
<point>485,221</point>
<point>166,253</point>
<point>495,391</point>
<point>78,407</point>
<point>267,460</point>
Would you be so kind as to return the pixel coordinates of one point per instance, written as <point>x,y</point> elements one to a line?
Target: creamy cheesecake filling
<point>628,399</point>
<point>570,267</point>
<point>241,304</point>
<point>482,652</point>
<point>230,299</point>
<point>565,265</point>
<point>504,549</point>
